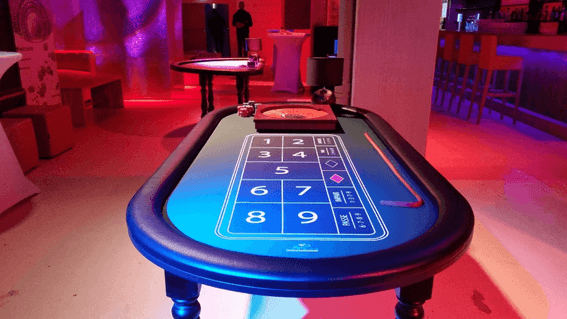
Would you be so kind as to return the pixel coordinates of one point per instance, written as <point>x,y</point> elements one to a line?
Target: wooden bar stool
<point>490,63</point>
<point>467,57</point>
<point>450,55</point>
<point>438,62</point>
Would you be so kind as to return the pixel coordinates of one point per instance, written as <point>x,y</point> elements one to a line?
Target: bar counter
<point>544,86</point>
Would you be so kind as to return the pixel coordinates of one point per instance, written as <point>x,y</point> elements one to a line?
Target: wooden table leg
<point>211,97</point>
<point>203,84</point>
<point>240,88</point>
<point>246,88</point>
<point>184,294</point>
<point>411,299</point>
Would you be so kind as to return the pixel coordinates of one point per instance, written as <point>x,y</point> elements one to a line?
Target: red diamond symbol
<point>336,178</point>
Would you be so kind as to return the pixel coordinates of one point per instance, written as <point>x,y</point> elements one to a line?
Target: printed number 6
<point>259,191</point>
<point>256,217</point>
<point>281,170</point>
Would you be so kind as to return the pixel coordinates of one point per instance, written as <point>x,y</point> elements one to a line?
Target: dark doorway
<point>196,34</point>
<point>222,11</point>
<point>194,30</point>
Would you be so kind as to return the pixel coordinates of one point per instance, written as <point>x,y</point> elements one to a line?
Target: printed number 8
<point>256,217</point>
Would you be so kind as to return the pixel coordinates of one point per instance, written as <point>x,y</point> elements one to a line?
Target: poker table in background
<point>299,214</point>
<point>206,68</point>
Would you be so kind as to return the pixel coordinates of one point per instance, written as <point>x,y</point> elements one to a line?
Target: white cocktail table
<point>287,56</point>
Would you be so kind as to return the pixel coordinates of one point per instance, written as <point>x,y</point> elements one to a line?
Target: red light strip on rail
<point>415,204</point>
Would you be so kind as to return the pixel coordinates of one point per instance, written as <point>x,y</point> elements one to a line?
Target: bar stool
<point>490,63</point>
<point>467,57</point>
<point>450,55</point>
<point>438,62</point>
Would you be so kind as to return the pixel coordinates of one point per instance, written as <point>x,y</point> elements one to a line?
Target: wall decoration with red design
<point>33,26</point>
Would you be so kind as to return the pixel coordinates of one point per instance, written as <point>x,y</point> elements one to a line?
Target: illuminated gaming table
<point>332,212</point>
<point>206,68</point>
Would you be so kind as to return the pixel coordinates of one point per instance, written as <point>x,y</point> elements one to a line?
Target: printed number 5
<point>281,170</point>
<point>309,217</point>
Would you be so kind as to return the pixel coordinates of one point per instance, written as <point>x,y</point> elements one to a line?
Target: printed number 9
<point>259,191</point>
<point>256,217</point>
<point>310,218</point>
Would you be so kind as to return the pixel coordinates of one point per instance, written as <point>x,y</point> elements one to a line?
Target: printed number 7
<point>306,188</point>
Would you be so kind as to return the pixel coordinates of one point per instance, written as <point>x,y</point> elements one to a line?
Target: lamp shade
<point>253,44</point>
<point>323,71</point>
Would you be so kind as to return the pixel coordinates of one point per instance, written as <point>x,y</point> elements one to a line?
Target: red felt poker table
<point>299,211</point>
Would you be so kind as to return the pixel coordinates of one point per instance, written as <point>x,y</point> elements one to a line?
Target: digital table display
<point>291,186</point>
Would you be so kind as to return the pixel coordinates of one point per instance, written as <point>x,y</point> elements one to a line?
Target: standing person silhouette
<point>242,20</point>
<point>216,27</point>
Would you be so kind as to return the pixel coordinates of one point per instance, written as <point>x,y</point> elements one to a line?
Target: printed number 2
<point>256,217</point>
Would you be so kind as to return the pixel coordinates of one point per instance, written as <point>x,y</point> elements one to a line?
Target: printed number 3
<point>256,217</point>
<point>265,154</point>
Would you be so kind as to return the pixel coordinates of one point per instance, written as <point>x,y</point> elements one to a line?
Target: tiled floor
<point>66,253</point>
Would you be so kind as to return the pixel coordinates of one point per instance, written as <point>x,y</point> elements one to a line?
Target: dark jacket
<point>242,16</point>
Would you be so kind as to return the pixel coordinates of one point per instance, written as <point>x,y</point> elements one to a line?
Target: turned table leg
<point>184,294</point>
<point>203,84</point>
<point>411,299</point>
<point>246,88</point>
<point>240,88</point>
<point>210,87</point>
